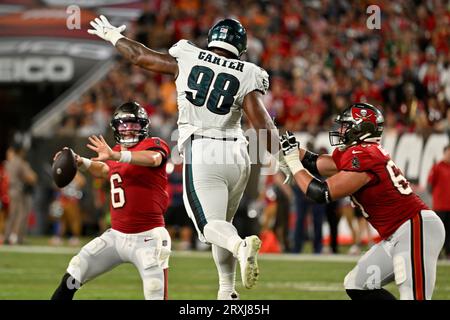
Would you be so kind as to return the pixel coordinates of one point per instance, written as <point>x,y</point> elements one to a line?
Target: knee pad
<point>77,269</point>
<point>153,289</point>
<point>350,280</point>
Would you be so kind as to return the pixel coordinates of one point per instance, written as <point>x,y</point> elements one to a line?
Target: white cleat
<point>226,295</point>
<point>247,254</point>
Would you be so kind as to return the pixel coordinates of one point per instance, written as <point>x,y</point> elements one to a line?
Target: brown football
<point>64,168</point>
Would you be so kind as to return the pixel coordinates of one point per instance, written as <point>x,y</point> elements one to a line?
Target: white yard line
<point>202,254</point>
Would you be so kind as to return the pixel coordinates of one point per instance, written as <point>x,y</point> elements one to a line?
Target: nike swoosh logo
<point>355,152</point>
<point>147,239</point>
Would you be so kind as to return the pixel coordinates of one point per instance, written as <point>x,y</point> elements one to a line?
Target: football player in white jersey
<point>214,89</point>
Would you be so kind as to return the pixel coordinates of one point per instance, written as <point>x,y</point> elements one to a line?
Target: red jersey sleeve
<point>156,144</point>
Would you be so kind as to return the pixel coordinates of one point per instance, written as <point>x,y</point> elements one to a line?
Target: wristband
<point>114,37</point>
<point>86,164</point>
<point>125,156</point>
<point>294,162</point>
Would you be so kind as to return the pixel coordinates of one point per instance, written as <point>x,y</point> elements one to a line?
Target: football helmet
<point>357,123</point>
<point>130,124</point>
<point>230,35</point>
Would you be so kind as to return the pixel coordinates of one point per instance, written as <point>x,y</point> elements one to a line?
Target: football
<point>64,168</point>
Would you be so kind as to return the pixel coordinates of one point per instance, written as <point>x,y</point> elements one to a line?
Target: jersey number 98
<point>222,95</point>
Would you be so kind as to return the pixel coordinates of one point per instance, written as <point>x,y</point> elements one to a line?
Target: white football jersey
<point>211,91</point>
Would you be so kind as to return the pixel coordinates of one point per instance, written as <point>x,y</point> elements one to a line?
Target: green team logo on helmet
<point>230,35</point>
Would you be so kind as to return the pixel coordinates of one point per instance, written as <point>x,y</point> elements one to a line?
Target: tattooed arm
<point>135,52</point>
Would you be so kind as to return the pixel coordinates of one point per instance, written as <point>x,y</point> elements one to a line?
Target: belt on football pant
<point>195,136</point>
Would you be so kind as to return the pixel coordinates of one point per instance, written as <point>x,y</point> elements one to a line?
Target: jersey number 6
<point>117,193</point>
<point>222,95</point>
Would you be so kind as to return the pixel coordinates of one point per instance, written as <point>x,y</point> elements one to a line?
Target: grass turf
<point>28,275</point>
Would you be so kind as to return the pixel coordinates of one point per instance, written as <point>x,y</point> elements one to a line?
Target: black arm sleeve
<point>318,191</point>
<point>310,162</point>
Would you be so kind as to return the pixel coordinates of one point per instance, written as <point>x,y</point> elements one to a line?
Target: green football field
<point>33,272</point>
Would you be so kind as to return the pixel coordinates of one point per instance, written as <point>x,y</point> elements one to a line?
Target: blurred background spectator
<point>67,212</point>
<point>4,199</point>
<point>21,179</point>
<point>178,224</point>
<point>438,182</point>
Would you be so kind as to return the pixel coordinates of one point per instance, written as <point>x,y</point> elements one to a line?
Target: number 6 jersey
<point>211,90</point>
<point>139,196</point>
<point>387,200</point>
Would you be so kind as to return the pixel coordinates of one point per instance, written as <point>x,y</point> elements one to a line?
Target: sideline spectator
<point>438,183</point>
<point>70,220</point>
<point>21,181</point>
<point>4,199</point>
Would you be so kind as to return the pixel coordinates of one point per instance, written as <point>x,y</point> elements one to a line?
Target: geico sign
<point>33,69</point>
<point>411,152</point>
<point>91,51</point>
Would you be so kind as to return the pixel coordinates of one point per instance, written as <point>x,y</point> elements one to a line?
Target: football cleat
<point>226,295</point>
<point>247,257</point>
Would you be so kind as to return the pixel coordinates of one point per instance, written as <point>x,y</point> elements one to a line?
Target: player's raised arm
<point>337,186</point>
<point>146,158</point>
<point>134,51</point>
<point>322,165</point>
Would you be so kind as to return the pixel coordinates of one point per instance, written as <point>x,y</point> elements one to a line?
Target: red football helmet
<point>357,123</point>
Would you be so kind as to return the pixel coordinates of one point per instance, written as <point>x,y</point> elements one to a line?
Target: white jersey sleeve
<point>259,80</point>
<point>180,48</point>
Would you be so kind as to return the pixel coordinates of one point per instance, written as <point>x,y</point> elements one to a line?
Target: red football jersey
<point>139,196</point>
<point>387,201</point>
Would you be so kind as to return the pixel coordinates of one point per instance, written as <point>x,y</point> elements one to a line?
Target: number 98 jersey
<point>387,201</point>
<point>211,90</point>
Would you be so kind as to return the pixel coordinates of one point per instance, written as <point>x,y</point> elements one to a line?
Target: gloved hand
<point>105,30</point>
<point>284,168</point>
<point>290,147</point>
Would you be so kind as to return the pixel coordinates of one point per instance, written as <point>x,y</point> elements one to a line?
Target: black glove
<point>289,143</point>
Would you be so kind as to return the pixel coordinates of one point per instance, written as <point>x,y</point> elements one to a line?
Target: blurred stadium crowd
<point>320,56</point>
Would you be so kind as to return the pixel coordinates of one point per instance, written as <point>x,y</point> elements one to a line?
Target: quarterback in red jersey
<point>412,235</point>
<point>136,169</point>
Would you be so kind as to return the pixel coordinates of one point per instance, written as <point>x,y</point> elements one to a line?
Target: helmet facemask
<point>130,125</point>
<point>129,131</point>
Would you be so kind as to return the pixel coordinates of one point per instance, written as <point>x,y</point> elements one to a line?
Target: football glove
<point>290,147</point>
<point>105,30</point>
<point>284,168</point>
